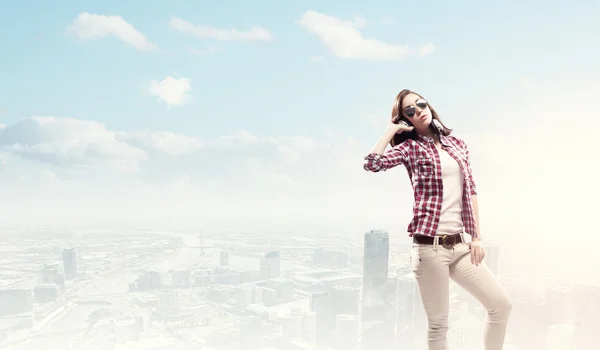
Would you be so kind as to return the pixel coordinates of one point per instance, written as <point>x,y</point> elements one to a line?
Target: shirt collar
<point>443,139</point>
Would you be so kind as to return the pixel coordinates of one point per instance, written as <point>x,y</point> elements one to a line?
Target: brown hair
<point>397,111</point>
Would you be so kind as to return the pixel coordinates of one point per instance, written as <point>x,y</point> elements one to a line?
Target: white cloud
<point>536,180</point>
<point>90,26</point>
<point>69,143</point>
<point>427,49</point>
<point>172,91</point>
<point>163,142</point>
<point>343,38</point>
<point>203,52</point>
<point>204,31</point>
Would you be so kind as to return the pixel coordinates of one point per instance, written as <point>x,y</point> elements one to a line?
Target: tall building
<point>375,266</point>
<point>411,320</point>
<point>321,305</point>
<point>69,258</point>
<point>377,313</point>
<point>223,258</point>
<point>52,273</point>
<point>270,265</point>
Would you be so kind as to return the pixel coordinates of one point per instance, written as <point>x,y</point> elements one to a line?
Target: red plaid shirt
<point>422,161</point>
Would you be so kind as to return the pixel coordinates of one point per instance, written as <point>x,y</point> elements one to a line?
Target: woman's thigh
<point>479,281</point>
<point>430,267</point>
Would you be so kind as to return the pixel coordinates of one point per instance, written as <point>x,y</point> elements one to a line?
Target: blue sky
<point>113,153</point>
<point>273,88</point>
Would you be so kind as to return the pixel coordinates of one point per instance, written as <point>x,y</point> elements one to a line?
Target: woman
<point>445,206</point>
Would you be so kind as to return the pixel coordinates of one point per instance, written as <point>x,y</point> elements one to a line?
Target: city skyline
<point>310,292</point>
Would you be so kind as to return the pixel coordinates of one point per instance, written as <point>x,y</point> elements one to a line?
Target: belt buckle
<point>445,243</point>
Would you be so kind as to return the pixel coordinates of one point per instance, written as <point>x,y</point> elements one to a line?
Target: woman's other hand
<point>477,252</point>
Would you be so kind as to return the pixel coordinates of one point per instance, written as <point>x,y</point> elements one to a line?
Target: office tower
<point>321,305</point>
<point>411,320</point>
<point>223,258</point>
<point>375,266</point>
<point>69,258</point>
<point>270,265</point>
<point>377,314</point>
<point>52,273</point>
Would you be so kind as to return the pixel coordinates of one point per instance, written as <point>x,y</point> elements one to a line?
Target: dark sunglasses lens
<point>410,111</point>
<point>422,105</point>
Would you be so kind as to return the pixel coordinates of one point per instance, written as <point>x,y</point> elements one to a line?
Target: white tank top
<point>452,180</point>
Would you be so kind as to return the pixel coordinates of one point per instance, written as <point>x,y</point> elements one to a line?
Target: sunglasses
<point>410,111</point>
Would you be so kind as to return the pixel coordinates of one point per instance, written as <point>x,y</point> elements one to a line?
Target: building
<point>69,258</point>
<point>411,320</point>
<point>375,265</point>
<point>321,305</point>
<point>270,265</point>
<point>15,301</point>
<point>377,313</point>
<point>223,258</point>
<point>346,329</point>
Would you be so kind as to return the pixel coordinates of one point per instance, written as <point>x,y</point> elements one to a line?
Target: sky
<point>260,113</point>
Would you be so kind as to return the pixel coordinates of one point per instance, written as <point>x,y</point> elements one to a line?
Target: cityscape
<point>225,290</point>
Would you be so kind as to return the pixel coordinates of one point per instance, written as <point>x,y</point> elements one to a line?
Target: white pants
<point>433,266</point>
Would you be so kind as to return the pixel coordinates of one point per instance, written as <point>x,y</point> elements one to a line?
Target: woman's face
<point>416,110</point>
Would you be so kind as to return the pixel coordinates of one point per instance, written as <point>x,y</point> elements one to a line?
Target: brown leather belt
<point>447,241</point>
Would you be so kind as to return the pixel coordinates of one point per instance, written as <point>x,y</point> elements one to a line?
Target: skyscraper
<point>411,320</point>
<point>223,258</point>
<point>377,316</point>
<point>375,266</point>
<point>270,265</point>
<point>69,258</point>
